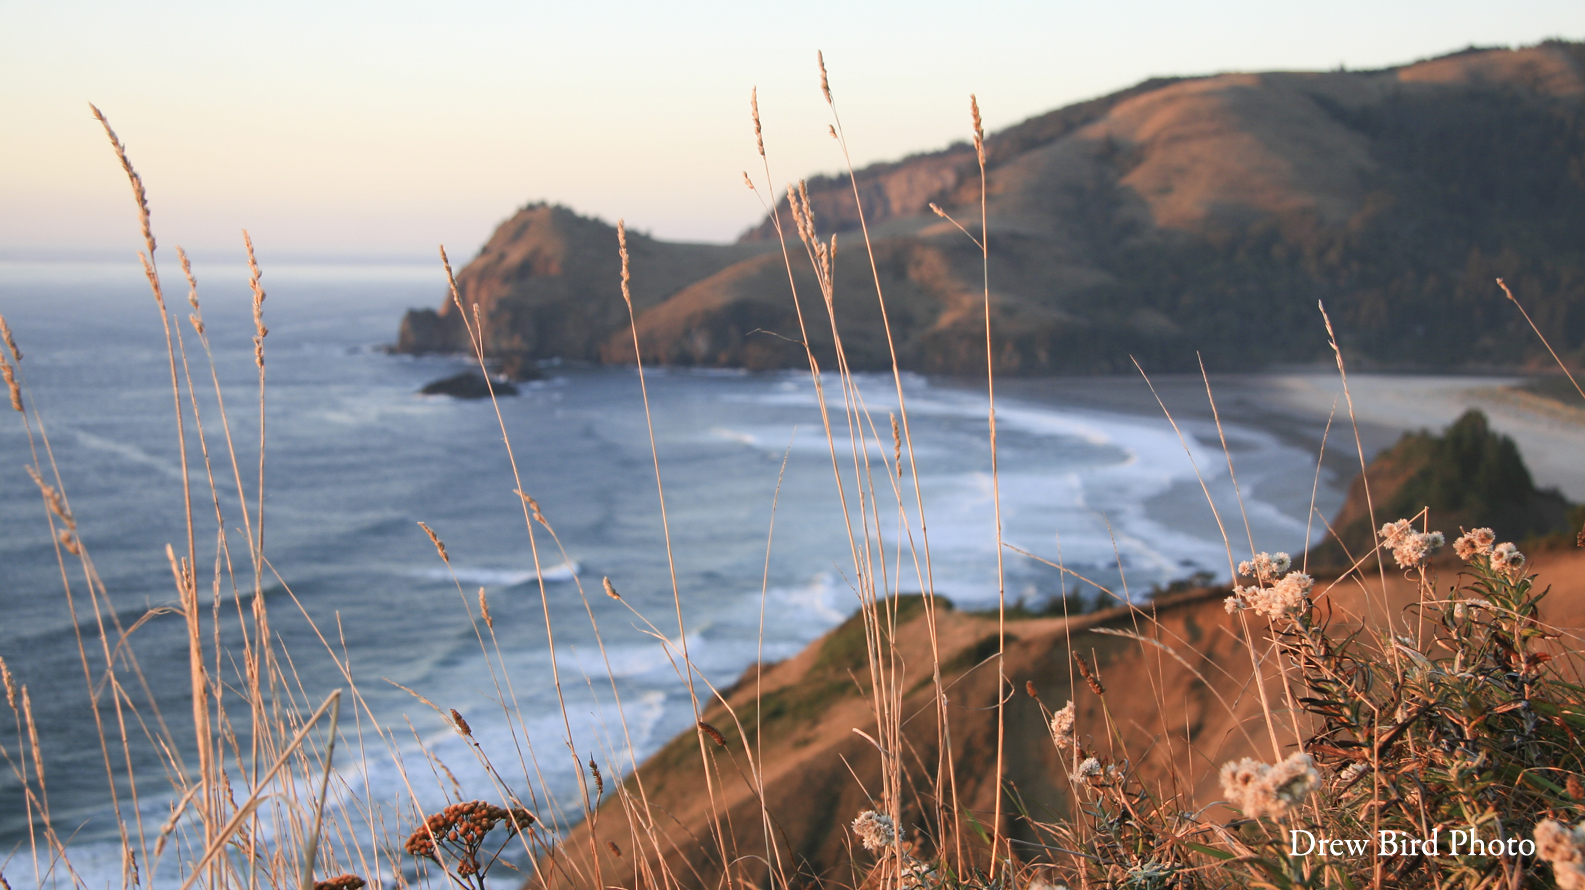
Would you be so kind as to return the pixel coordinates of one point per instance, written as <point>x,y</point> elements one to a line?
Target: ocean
<point>355,459</point>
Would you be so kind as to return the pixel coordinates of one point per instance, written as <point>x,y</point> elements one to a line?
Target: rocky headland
<point>1183,217</point>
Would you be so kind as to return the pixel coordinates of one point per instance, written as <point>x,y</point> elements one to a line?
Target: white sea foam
<point>485,577</point>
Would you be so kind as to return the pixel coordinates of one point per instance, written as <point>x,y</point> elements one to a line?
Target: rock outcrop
<point>468,385</point>
<point>548,285</point>
<point>1179,219</point>
<point>1467,477</point>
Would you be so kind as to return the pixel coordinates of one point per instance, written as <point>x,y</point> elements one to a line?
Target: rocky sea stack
<point>468,385</point>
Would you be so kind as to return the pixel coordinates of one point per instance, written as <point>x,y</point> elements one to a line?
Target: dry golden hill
<point>1200,214</point>
<point>1175,709</point>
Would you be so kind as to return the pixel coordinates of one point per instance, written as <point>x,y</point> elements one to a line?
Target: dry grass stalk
<point>1542,337</point>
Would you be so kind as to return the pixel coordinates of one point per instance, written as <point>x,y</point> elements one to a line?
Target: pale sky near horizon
<point>361,129</point>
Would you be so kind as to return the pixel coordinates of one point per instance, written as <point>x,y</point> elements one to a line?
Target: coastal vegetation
<point>1380,692</point>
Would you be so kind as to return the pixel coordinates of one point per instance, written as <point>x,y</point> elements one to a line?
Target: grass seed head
<point>11,384</point>
<point>979,130</point>
<point>259,330</point>
<point>11,343</point>
<point>759,137</point>
<point>1088,675</point>
<point>10,684</point>
<point>435,539</point>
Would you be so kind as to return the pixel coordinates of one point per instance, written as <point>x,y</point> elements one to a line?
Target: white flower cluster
<point>1277,593</point>
<point>1410,549</point>
<point>1564,848</point>
<point>1089,768</point>
<point>1475,543</point>
<point>1261,790</point>
<point>1062,727</point>
<point>1266,567</point>
<point>876,831</point>
<point>1504,557</point>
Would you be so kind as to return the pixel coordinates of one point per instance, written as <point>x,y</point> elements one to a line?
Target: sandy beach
<point>1295,407</point>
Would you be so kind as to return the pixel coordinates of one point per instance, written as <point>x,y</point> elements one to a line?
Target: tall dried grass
<point>1466,714</point>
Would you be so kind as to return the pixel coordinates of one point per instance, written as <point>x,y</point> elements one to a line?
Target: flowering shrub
<point>1462,730</point>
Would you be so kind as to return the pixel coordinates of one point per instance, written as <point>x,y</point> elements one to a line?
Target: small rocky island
<point>468,385</point>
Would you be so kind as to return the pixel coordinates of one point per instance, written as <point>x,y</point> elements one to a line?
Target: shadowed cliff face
<point>548,285</point>
<point>1180,217</point>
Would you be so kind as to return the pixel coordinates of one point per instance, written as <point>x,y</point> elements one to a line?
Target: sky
<point>364,130</point>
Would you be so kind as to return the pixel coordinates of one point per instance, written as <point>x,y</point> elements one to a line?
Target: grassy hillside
<point>1179,218</point>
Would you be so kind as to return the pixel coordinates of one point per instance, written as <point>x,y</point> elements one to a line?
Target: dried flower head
<point>1062,723</point>
<point>1287,599</point>
<point>1411,549</point>
<point>1505,557</point>
<point>1266,567</point>
<point>459,831</point>
<point>341,882</point>
<point>1474,543</point>
<point>1393,532</point>
<point>1261,790</point>
<point>610,589</point>
<point>1088,768</point>
<point>461,724</point>
<point>875,830</point>
<point>1564,848</point>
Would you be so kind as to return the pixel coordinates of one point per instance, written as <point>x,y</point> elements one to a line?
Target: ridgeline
<point>1181,217</point>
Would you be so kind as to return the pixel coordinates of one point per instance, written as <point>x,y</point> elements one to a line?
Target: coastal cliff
<point>788,747</point>
<point>1180,218</point>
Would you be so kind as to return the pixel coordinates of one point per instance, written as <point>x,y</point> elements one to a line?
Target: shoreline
<point>1294,408</point>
